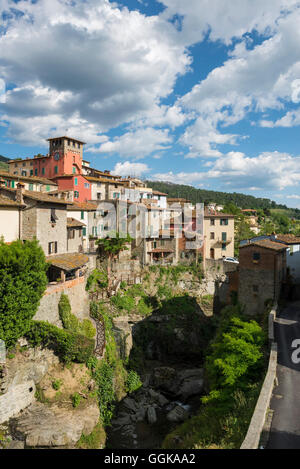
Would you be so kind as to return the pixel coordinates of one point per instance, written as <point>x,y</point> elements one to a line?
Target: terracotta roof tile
<point>27,178</point>
<point>288,238</point>
<point>72,223</point>
<point>68,261</point>
<point>5,202</point>
<point>267,244</point>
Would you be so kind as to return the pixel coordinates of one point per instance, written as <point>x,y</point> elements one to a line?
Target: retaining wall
<point>259,416</point>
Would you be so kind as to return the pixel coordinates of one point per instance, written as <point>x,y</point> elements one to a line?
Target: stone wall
<point>255,288</point>
<point>79,300</point>
<point>18,383</point>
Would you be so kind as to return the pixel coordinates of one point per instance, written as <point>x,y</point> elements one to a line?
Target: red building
<point>63,165</point>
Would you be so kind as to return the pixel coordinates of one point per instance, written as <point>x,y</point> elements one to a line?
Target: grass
<point>95,440</point>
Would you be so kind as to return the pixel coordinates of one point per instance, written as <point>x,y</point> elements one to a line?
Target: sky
<point>198,92</point>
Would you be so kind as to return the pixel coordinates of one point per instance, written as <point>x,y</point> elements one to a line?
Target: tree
<point>112,246</point>
<point>23,281</point>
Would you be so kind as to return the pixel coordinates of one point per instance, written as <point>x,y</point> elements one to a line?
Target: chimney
<point>19,193</point>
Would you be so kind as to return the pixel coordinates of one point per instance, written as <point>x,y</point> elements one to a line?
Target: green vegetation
<point>133,381</point>
<point>71,322</point>
<point>111,246</point>
<point>23,281</point>
<point>95,440</point>
<point>40,396</point>
<point>234,369</point>
<point>76,399</point>
<point>97,280</point>
<point>221,198</point>
<point>68,346</point>
<point>56,384</point>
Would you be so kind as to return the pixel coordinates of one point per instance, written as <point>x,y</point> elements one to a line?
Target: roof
<point>178,199</point>
<point>214,214</point>
<point>82,206</point>
<point>72,223</point>
<point>68,261</point>
<point>267,244</point>
<point>5,202</point>
<point>68,138</point>
<point>111,181</point>
<point>159,193</point>
<point>161,250</point>
<point>288,238</point>
<point>43,197</point>
<point>27,178</point>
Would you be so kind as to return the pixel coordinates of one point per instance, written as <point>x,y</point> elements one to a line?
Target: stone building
<point>218,235</point>
<point>42,217</point>
<point>262,271</point>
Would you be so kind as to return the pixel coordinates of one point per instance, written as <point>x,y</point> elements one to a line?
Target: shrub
<point>56,384</point>
<point>76,399</point>
<point>71,322</point>
<point>69,346</point>
<point>97,279</point>
<point>133,381</point>
<point>125,302</point>
<point>23,281</point>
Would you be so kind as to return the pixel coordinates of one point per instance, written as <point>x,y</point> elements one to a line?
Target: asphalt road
<point>285,429</point>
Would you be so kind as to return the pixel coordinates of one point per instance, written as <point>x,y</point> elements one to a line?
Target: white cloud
<point>297,197</point>
<point>268,171</point>
<point>180,178</point>
<point>130,169</point>
<point>107,65</point>
<point>225,20</point>
<point>137,143</point>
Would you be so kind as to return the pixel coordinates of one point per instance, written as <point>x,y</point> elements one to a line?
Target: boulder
<point>53,426</point>
<point>191,383</point>
<point>151,414</point>
<point>178,414</point>
<point>164,378</point>
<point>130,404</point>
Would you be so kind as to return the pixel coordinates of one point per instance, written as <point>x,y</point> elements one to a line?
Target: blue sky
<point>195,92</point>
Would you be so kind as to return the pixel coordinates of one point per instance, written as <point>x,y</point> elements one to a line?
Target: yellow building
<point>218,234</point>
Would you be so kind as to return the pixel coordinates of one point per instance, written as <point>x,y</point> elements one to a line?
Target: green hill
<point>242,201</point>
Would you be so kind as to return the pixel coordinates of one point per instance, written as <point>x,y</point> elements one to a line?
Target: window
<point>224,237</point>
<point>212,222</point>
<point>212,235</point>
<point>36,172</point>
<point>82,215</point>
<point>256,256</point>
<point>52,247</point>
<point>224,247</point>
<point>84,231</point>
<point>53,216</point>
<point>12,184</point>
<point>16,165</point>
<point>74,170</point>
<point>47,188</point>
<point>31,172</point>
<point>71,234</point>
<point>31,187</point>
<point>55,169</point>
<point>86,185</point>
<point>224,222</point>
<point>76,181</point>
<point>24,173</point>
<point>76,194</point>
<point>43,171</point>
<point>99,195</point>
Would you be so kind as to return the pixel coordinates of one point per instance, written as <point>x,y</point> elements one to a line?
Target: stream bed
<point>169,396</point>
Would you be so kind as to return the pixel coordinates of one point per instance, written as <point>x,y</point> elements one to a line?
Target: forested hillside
<point>3,163</point>
<point>242,201</point>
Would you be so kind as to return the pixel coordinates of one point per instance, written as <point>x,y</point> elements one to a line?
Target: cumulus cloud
<point>225,20</point>
<point>136,143</point>
<point>107,65</point>
<point>130,169</point>
<point>236,171</point>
